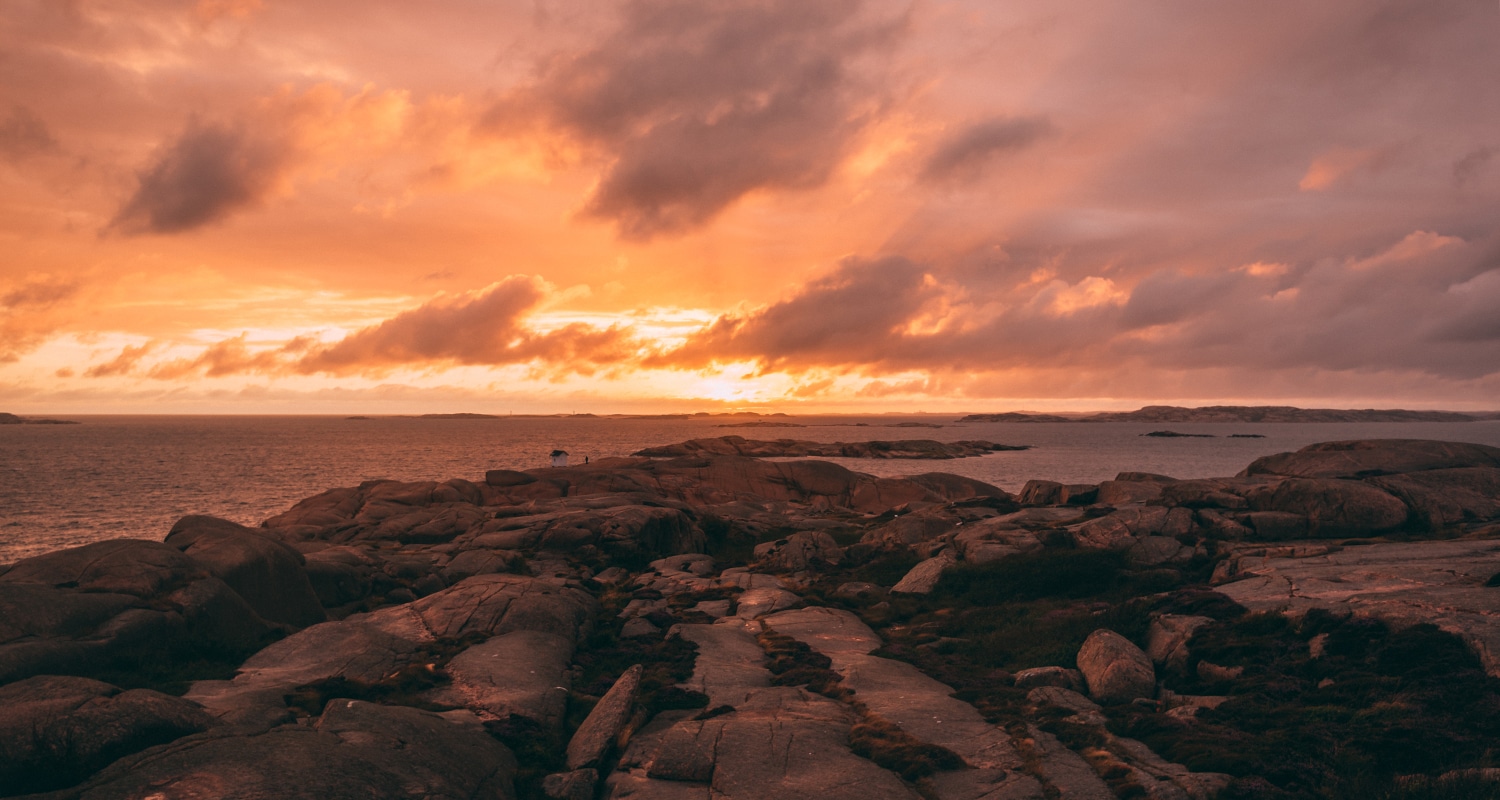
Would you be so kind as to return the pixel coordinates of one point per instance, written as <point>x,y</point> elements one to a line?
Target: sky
<point>264,206</point>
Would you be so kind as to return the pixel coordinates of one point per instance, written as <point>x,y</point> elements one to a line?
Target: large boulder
<point>1115,670</point>
<point>56,731</point>
<point>593,739</point>
<point>266,572</point>
<point>340,575</point>
<point>354,750</point>
<point>1371,457</point>
<point>1332,507</point>
<point>924,577</point>
<point>367,648</point>
<point>1168,636</point>
<point>115,605</point>
<point>1443,497</point>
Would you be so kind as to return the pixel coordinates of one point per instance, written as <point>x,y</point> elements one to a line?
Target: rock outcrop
<point>266,572</point>
<point>355,749</point>
<point>437,637</point>
<point>57,731</point>
<point>84,609</point>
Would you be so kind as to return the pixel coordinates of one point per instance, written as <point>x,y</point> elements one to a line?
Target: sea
<point>134,476</point>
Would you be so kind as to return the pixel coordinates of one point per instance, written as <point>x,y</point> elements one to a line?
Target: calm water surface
<point>134,476</point>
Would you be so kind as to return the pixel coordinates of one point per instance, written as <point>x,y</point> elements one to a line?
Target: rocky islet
<point>715,625</point>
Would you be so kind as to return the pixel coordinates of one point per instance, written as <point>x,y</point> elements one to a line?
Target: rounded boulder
<point>1115,670</point>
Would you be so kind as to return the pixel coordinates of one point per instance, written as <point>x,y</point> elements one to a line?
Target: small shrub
<point>886,744</point>
<point>793,663</point>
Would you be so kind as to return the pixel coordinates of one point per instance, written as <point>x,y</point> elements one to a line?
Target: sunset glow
<point>257,206</point>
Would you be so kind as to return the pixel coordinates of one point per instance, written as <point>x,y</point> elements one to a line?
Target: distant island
<point>1160,414</point>
<point>792,448</point>
<point>12,419</point>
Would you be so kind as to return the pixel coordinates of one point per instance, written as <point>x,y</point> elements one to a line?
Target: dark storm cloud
<point>969,150</point>
<point>208,173</point>
<point>1423,304</point>
<point>24,134</point>
<point>487,327</point>
<point>1472,164</point>
<point>852,316</point>
<point>699,104</point>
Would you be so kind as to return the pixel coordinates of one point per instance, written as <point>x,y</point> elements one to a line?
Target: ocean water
<point>113,477</point>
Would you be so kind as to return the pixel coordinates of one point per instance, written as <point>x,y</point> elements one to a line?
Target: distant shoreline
<point>1245,414</point>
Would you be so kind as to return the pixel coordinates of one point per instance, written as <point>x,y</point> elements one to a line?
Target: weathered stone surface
<point>898,691</point>
<point>350,650</point>
<point>859,590</point>
<point>1122,493</point>
<point>763,600</point>
<point>57,731</point>
<point>1167,638</point>
<point>340,574</point>
<point>508,477</point>
<point>989,540</point>
<point>1040,493</point>
<point>1032,518</point>
<point>522,672</point>
<point>800,551</point>
<point>576,785</point>
<point>923,578</point>
<point>1277,525</point>
<point>119,566</point>
<point>355,750</point>
<point>1369,457</point>
<point>1065,770</point>
<point>909,530</point>
<point>1078,494</point>
<point>1332,507</point>
<point>1442,497</point>
<point>75,611</point>
<point>1221,526</point>
<point>730,667</point>
<point>490,604</point>
<point>1081,707</point>
<point>1441,582</point>
<point>1206,493</point>
<point>469,563</point>
<point>1154,550</point>
<point>698,564</point>
<point>599,730</point>
<point>266,572</point>
<point>1105,533</point>
<point>1050,676</point>
<point>779,743</point>
<point>1115,669</point>
<point>368,647</point>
